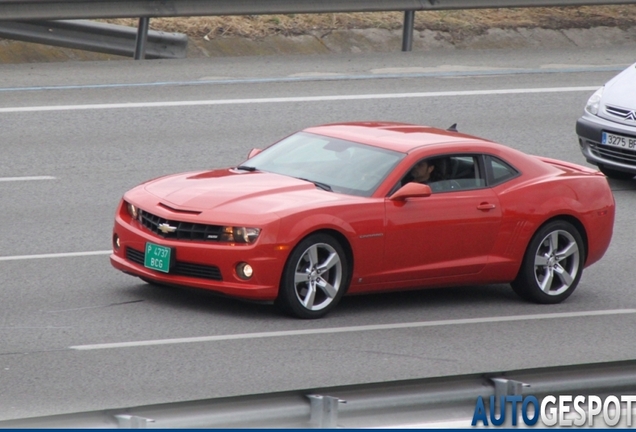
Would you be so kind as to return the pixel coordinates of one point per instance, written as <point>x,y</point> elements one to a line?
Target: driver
<point>421,172</point>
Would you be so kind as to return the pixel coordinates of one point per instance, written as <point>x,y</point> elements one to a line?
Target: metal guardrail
<point>91,9</point>
<point>425,401</point>
<point>28,10</point>
<point>97,37</point>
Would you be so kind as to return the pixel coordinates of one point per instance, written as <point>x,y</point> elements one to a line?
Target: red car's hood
<point>227,190</point>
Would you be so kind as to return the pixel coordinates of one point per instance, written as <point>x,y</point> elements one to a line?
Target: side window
<point>423,171</point>
<point>447,173</point>
<point>500,171</point>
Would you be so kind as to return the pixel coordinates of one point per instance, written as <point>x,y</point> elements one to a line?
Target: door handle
<point>485,206</point>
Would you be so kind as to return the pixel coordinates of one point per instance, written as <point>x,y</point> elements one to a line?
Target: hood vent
<point>172,209</point>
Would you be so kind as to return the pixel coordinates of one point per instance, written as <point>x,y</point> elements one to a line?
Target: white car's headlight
<point>594,102</point>
<point>239,234</point>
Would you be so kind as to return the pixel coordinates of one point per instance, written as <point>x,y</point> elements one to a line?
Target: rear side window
<point>499,171</point>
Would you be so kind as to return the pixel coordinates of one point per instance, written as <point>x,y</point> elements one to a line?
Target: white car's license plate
<point>618,140</point>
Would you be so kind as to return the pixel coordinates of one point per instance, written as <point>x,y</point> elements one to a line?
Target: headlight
<point>239,234</point>
<point>133,211</point>
<point>594,102</point>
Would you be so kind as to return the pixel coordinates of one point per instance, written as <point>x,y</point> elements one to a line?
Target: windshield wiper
<point>323,186</point>
<point>245,168</point>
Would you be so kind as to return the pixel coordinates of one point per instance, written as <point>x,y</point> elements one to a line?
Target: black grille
<point>180,268</point>
<point>135,256</point>
<point>623,113</point>
<point>616,154</point>
<point>196,271</point>
<point>180,230</point>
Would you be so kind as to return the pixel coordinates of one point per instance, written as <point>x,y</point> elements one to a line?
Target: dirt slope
<point>472,22</point>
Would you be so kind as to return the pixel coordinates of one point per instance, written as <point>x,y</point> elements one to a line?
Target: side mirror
<point>253,152</point>
<point>411,190</point>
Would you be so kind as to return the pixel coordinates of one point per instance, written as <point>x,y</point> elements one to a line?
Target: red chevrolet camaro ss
<point>345,209</point>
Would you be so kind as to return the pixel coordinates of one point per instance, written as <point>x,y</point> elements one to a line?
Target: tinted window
<point>500,170</point>
<point>450,173</point>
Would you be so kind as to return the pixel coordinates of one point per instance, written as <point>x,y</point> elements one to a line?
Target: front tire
<point>315,277</point>
<point>552,265</point>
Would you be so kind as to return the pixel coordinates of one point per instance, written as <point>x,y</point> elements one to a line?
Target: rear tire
<point>615,174</point>
<point>552,265</point>
<point>315,277</point>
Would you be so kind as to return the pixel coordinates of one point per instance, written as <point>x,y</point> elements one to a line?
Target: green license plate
<point>157,257</point>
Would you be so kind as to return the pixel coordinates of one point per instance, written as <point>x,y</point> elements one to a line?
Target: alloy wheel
<point>556,262</point>
<point>318,276</point>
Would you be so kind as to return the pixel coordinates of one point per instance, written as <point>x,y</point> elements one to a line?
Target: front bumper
<point>589,129</point>
<point>203,265</point>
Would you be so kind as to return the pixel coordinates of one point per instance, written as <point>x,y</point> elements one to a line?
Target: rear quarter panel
<point>561,192</point>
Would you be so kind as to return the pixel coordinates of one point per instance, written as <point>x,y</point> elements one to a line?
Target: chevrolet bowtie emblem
<point>166,228</point>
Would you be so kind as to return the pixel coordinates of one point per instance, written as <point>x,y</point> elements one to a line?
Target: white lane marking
<point>353,329</point>
<point>36,328</point>
<point>296,99</point>
<point>54,255</point>
<point>8,179</point>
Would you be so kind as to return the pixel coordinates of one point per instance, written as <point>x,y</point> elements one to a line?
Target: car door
<point>449,233</point>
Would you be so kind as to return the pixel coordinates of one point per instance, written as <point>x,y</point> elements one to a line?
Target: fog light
<point>244,270</point>
<point>116,243</point>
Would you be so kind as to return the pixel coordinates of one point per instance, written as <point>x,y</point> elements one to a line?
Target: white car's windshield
<point>331,163</point>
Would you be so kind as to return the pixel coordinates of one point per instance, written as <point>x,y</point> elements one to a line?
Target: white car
<point>607,129</point>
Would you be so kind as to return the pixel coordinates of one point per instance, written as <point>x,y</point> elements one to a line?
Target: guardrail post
<point>407,30</point>
<point>126,421</point>
<point>507,387</point>
<point>142,38</point>
<point>324,411</point>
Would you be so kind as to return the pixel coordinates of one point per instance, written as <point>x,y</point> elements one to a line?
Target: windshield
<point>332,164</point>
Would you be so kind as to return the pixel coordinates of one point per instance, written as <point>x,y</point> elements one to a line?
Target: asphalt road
<point>76,136</point>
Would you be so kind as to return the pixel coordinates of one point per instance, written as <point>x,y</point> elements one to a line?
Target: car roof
<point>402,137</point>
